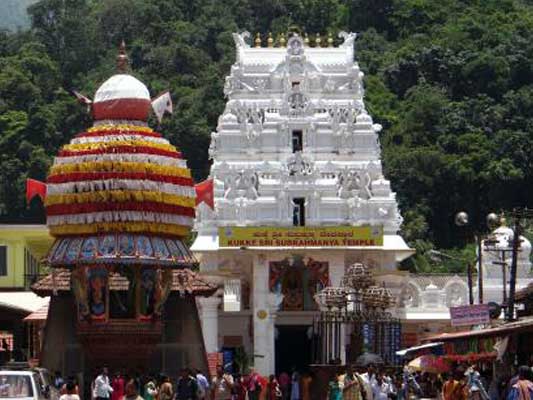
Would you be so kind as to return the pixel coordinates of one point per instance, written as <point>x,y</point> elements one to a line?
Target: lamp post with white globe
<point>462,220</point>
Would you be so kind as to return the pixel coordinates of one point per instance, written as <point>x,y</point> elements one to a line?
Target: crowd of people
<point>370,383</point>
<point>473,385</point>
<point>463,383</point>
<point>190,385</point>
<point>353,383</point>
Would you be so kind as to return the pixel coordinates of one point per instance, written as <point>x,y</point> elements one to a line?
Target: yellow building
<point>21,249</point>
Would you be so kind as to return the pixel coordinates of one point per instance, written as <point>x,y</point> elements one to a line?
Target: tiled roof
<point>184,281</point>
<point>40,315</point>
<point>525,324</point>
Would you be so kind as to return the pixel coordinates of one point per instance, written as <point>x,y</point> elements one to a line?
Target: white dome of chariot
<point>121,86</point>
<point>122,97</point>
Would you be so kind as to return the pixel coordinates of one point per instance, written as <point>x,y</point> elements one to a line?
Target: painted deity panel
<point>98,282</point>
<point>73,250</point>
<point>183,249</point>
<point>173,247</point>
<point>298,279</point>
<point>90,285</point>
<point>126,245</point>
<point>160,249</point>
<point>60,251</point>
<point>79,285</point>
<point>163,288</point>
<point>108,245</point>
<point>144,246</point>
<point>89,248</point>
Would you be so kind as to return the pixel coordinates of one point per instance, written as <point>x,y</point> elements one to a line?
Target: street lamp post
<point>519,216</point>
<point>461,220</point>
<point>514,266</point>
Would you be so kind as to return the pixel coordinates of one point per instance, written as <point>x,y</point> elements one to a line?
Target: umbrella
<point>366,359</point>
<point>430,363</point>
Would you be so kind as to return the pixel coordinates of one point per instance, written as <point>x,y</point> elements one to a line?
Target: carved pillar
<point>336,272</point>
<point>274,301</point>
<point>263,323</point>
<point>209,317</point>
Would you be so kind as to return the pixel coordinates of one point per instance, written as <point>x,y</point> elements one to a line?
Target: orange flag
<point>204,193</point>
<point>35,188</point>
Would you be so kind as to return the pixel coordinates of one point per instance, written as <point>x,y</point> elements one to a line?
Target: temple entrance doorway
<point>293,348</point>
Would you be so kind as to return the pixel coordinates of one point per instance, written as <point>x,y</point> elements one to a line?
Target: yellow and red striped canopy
<point>119,178</point>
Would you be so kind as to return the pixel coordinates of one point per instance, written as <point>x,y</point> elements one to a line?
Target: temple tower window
<point>298,211</point>
<point>297,141</point>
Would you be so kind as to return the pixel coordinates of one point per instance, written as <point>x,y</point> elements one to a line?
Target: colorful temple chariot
<point>120,203</point>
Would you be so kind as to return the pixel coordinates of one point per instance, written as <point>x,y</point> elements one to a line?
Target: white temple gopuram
<point>295,147</point>
<point>299,195</point>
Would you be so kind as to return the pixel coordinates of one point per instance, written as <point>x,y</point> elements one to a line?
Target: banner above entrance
<point>300,236</point>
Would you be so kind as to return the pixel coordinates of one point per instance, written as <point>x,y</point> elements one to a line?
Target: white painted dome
<point>504,240</point>
<point>121,86</point>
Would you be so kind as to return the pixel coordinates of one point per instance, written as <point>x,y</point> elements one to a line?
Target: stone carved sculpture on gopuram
<point>295,126</point>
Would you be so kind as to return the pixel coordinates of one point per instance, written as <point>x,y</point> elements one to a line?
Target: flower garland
<point>85,176</point>
<point>120,127</point>
<point>147,206</point>
<point>119,166</point>
<point>119,196</point>
<point>127,141</point>
<point>118,184</point>
<point>125,216</point>
<point>129,227</point>
<point>137,150</point>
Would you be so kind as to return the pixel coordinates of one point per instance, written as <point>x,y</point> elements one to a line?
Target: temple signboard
<point>470,315</point>
<point>301,236</point>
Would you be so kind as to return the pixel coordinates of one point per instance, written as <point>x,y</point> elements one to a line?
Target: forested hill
<point>451,82</point>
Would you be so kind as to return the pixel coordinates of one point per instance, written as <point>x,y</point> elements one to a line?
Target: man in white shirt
<point>102,388</point>
<point>369,378</point>
<point>203,385</point>
<point>381,388</point>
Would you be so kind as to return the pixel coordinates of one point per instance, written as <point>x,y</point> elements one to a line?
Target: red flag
<point>35,188</point>
<point>204,193</point>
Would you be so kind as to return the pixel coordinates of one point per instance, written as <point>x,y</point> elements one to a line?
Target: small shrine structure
<point>120,203</point>
<point>299,195</point>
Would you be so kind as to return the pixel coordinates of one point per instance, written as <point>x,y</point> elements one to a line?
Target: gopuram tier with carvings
<point>299,196</point>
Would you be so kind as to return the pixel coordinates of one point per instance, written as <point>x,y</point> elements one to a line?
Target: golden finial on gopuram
<point>282,40</point>
<point>318,40</point>
<point>257,40</point>
<point>306,40</point>
<point>270,41</point>
<point>330,40</point>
